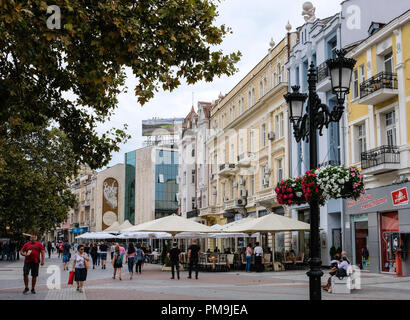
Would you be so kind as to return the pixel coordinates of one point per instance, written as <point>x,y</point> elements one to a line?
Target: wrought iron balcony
<point>227,169</point>
<point>245,158</point>
<point>322,72</point>
<point>382,159</point>
<point>379,88</point>
<point>192,214</point>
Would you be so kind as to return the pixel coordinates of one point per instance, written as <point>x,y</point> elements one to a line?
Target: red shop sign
<point>400,197</point>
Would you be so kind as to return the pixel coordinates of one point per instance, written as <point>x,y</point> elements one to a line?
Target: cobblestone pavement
<point>153,284</point>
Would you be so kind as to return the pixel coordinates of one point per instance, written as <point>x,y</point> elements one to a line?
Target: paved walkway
<point>155,284</point>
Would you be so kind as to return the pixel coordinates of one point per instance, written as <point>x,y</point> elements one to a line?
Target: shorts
<point>31,266</point>
<point>66,258</point>
<point>103,255</point>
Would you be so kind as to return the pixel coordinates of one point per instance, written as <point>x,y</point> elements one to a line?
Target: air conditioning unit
<point>235,184</point>
<point>271,135</point>
<point>265,182</point>
<point>266,170</point>
<point>240,202</point>
<point>244,193</point>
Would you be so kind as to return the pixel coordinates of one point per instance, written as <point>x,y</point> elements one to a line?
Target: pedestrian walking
<point>94,254</point>
<point>117,262</point>
<point>248,256</point>
<point>139,259</point>
<point>66,254</point>
<point>258,257</point>
<point>12,250</point>
<point>80,266</point>
<point>174,256</point>
<point>103,249</point>
<point>87,248</point>
<point>49,249</point>
<point>53,246</point>
<point>144,249</point>
<point>131,253</point>
<point>194,252</point>
<point>98,254</point>
<point>31,251</point>
<point>112,249</point>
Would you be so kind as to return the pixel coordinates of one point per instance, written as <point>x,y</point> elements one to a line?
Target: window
<point>240,145</point>
<point>265,85</point>
<point>391,128</point>
<point>253,96</point>
<point>355,84</point>
<point>161,178</point>
<point>263,176</point>
<point>252,184</point>
<point>362,75</point>
<point>193,203</point>
<point>361,138</point>
<point>261,93</point>
<point>184,181</point>
<point>280,169</point>
<point>279,125</point>
<point>193,176</point>
<point>297,76</point>
<point>233,113</point>
<point>279,71</point>
<point>251,142</point>
<point>388,63</point>
<point>232,189</point>
<point>264,135</point>
<point>249,98</point>
<point>193,152</point>
<point>232,154</point>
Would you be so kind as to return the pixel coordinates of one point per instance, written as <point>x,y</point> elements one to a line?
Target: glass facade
<point>166,187</point>
<point>129,203</point>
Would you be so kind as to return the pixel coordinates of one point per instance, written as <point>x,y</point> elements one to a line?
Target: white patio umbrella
<point>172,224</point>
<point>96,235</point>
<point>270,223</point>
<point>125,225</point>
<point>143,235</point>
<point>114,227</point>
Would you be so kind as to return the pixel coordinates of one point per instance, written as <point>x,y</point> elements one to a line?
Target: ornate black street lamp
<point>318,116</point>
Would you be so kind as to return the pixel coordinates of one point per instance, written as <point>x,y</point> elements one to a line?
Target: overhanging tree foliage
<point>162,41</point>
<point>34,194</point>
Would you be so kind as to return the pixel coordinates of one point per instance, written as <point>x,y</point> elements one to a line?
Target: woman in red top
<point>31,250</point>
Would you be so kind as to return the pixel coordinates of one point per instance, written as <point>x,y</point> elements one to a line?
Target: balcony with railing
<point>379,160</point>
<point>226,170</point>
<point>323,78</point>
<point>245,158</point>
<point>192,214</point>
<point>379,88</point>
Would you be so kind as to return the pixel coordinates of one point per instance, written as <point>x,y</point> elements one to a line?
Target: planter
<point>347,189</point>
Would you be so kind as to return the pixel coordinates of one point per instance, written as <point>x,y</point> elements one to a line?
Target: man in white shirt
<point>258,251</point>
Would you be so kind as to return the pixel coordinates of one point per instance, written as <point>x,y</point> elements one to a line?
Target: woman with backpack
<point>117,261</point>
<point>131,252</point>
<point>140,258</point>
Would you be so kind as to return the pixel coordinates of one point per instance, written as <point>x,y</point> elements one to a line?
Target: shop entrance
<point>390,240</point>
<point>360,233</point>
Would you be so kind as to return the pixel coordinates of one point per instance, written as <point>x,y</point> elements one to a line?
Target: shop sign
<point>367,197</point>
<point>400,197</point>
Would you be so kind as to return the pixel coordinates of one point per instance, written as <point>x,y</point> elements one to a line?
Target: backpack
<point>341,273</point>
<point>139,254</point>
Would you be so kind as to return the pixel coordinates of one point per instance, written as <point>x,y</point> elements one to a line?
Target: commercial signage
<point>161,127</point>
<point>80,230</point>
<point>400,197</point>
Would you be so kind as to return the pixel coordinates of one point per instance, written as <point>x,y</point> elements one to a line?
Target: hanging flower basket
<point>340,182</point>
<point>289,192</point>
<point>311,189</point>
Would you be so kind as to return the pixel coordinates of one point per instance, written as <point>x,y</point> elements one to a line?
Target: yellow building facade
<point>248,141</point>
<point>379,103</point>
<point>378,136</point>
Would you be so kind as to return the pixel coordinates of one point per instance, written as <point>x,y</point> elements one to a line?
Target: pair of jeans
<point>131,262</point>
<point>248,263</point>
<point>173,265</point>
<point>98,258</point>
<point>138,266</point>
<point>193,264</point>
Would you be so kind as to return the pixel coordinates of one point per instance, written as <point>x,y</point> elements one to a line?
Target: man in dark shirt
<point>174,256</point>
<point>32,251</point>
<point>193,258</point>
<point>103,249</point>
<point>66,254</point>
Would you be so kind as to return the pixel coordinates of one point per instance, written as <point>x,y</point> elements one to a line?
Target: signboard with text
<point>400,197</point>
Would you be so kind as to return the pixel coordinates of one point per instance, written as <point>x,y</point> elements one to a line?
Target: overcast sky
<point>253,24</point>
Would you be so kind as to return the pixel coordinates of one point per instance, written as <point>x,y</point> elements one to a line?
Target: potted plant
<point>311,189</point>
<point>289,192</point>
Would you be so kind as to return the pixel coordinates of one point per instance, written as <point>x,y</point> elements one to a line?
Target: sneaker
<point>26,290</point>
<point>33,291</point>
<point>80,290</point>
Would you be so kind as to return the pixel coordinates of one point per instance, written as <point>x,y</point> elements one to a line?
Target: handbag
<point>71,277</point>
<point>87,265</point>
